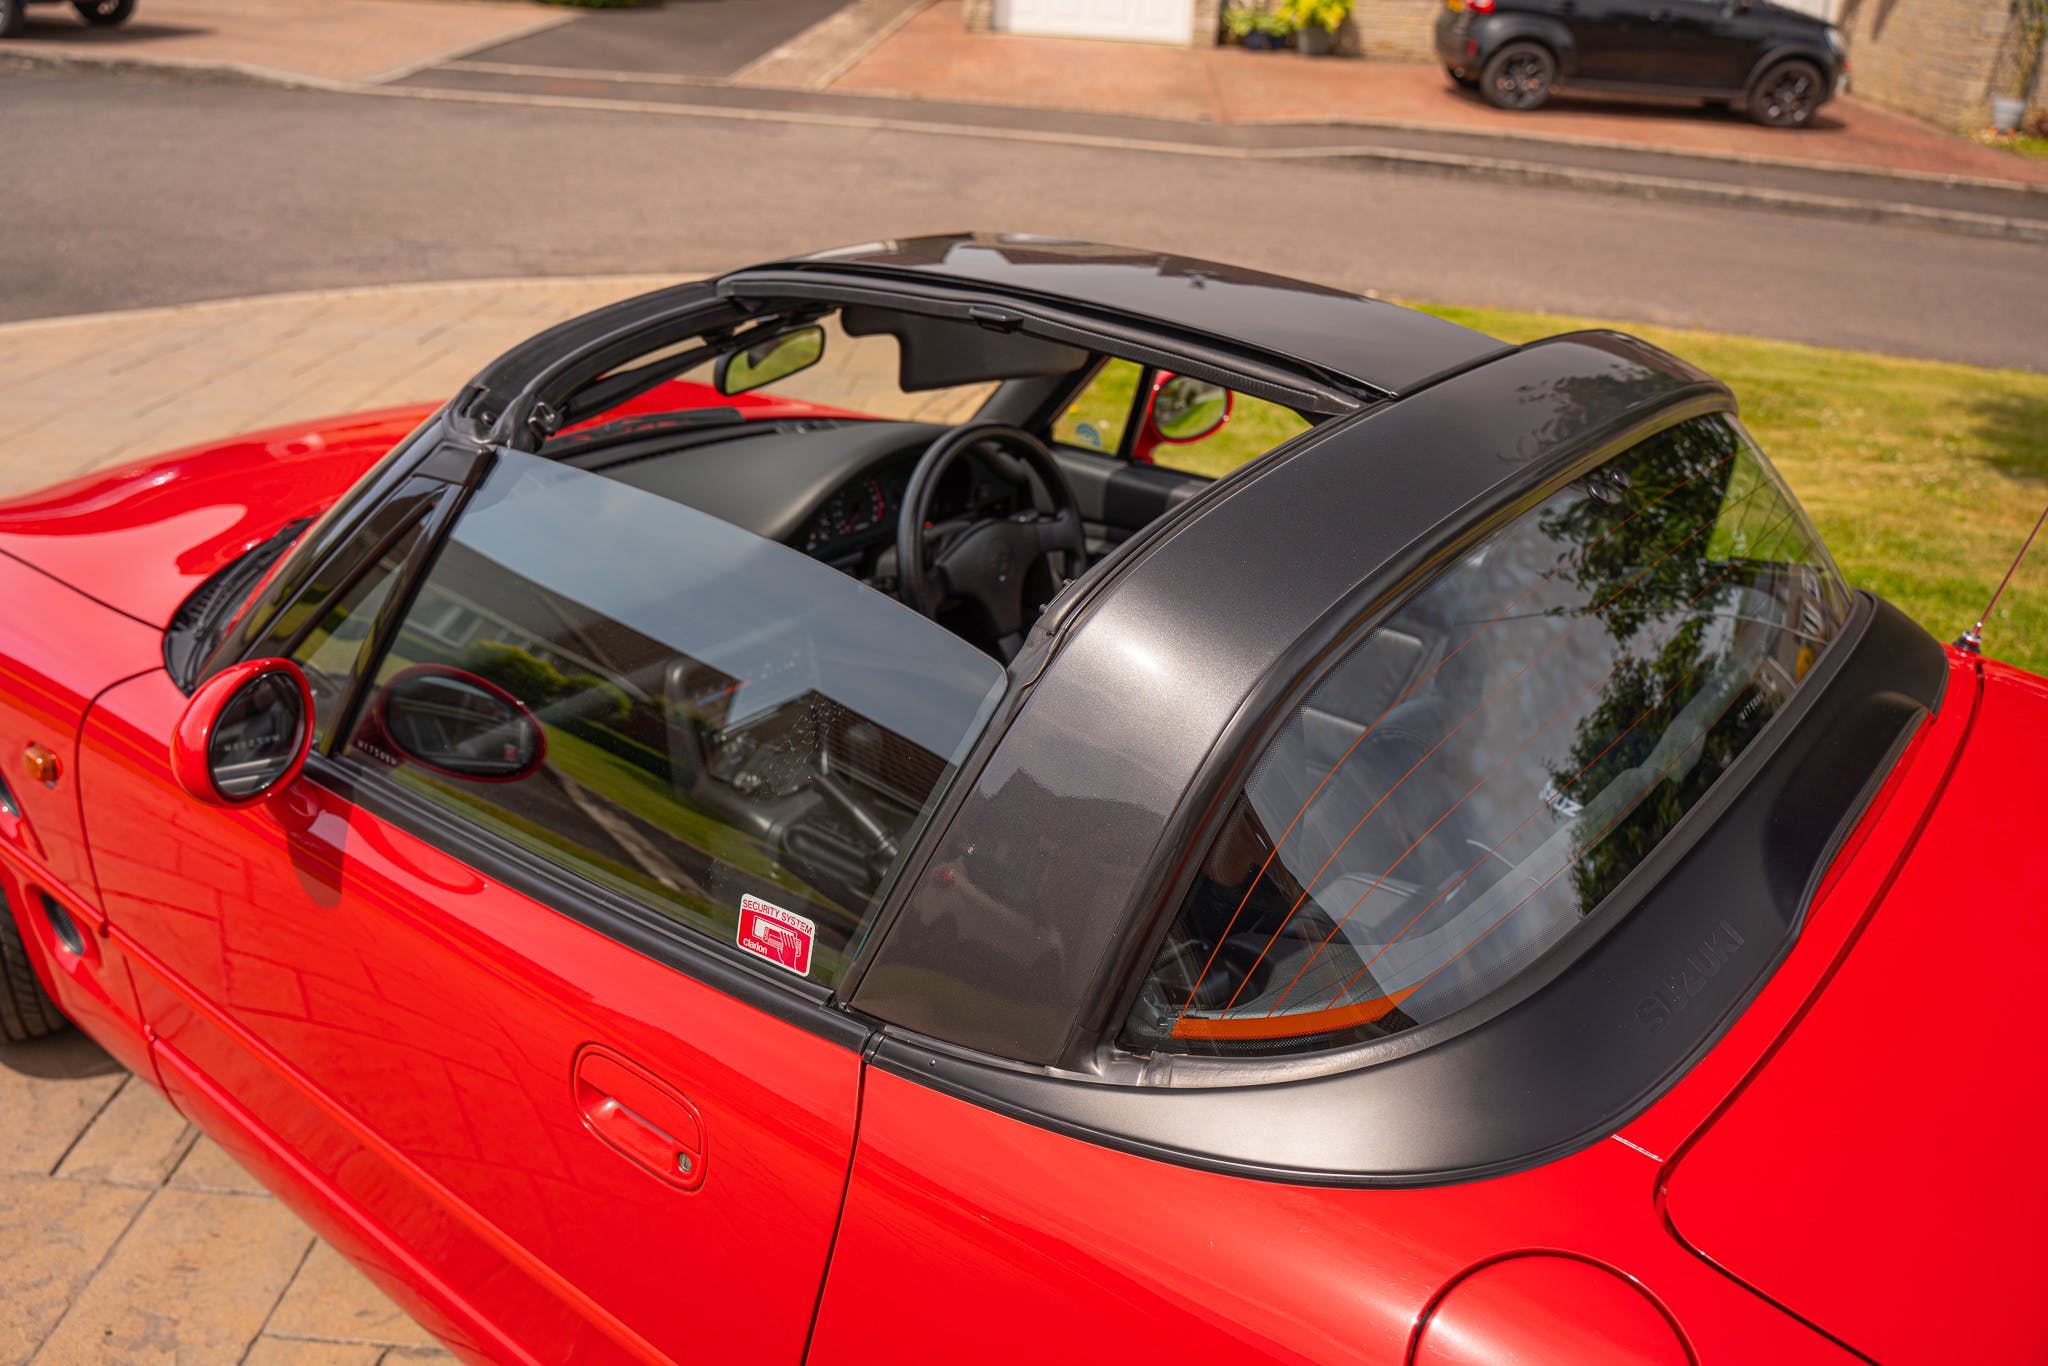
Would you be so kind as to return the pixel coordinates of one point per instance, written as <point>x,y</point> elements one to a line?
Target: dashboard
<point>830,487</point>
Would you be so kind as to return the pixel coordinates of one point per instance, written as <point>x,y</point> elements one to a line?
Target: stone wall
<point>1932,58</point>
<point>1400,30</point>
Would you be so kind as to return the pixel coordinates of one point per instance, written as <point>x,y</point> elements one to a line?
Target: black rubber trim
<point>1300,385</point>
<point>809,1006</point>
<point>1596,1031</point>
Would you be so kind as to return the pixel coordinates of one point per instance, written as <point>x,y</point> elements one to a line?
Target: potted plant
<point>2023,47</point>
<point>1259,29</point>
<point>1316,23</point>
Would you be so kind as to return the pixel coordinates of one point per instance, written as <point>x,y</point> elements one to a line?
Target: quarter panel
<point>968,1236</point>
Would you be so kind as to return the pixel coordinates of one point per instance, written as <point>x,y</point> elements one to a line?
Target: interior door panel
<point>1120,496</point>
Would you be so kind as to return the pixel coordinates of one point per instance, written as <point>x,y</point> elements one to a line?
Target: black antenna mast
<point>1972,640</point>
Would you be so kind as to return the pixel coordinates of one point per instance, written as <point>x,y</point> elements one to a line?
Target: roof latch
<point>995,319</point>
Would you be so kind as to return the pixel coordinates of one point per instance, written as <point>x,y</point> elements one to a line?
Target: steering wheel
<point>987,561</point>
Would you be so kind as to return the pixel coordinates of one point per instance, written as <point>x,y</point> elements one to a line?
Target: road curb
<point>1505,169</point>
<point>1959,221</point>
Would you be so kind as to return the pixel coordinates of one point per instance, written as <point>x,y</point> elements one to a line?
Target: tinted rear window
<point>1484,768</point>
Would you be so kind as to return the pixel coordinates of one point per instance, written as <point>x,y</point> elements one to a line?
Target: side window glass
<point>1095,419</point>
<point>1233,428</point>
<point>1253,427</point>
<point>332,652</point>
<point>730,733</point>
<point>1476,775</point>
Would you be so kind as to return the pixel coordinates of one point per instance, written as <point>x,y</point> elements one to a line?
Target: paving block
<point>276,1351</point>
<point>192,1281</point>
<point>136,1140</point>
<point>208,1167</point>
<point>331,1299</point>
<point>50,1092</point>
<point>52,1235</point>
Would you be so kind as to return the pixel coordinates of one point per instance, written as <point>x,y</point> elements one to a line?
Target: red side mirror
<point>244,734</point>
<point>452,722</point>
<point>1181,409</point>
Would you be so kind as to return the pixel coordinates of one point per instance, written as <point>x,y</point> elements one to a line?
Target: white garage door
<point>1145,21</point>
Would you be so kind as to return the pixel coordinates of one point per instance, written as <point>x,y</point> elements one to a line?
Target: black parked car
<point>1778,64</point>
<point>98,13</point>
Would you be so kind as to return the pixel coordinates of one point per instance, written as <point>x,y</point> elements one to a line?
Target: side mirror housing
<point>1182,409</point>
<point>245,733</point>
<point>450,721</point>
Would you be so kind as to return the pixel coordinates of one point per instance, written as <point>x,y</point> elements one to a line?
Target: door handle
<point>640,1117</point>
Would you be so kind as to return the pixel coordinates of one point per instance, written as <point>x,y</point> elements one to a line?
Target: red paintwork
<point>58,649</point>
<point>407,1030</point>
<point>483,1102</point>
<point>192,737</point>
<point>1912,1081</point>
<point>1509,1306</point>
<point>141,537</point>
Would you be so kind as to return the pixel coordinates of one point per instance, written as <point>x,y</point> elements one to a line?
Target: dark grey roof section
<point>1027,903</point>
<point>1390,348</point>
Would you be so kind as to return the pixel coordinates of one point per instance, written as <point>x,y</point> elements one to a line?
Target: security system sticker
<point>782,937</point>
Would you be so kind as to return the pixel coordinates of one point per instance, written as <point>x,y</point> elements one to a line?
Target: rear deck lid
<point>1882,1176</point>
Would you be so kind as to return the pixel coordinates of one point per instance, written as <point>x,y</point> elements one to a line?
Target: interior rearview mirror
<point>453,722</point>
<point>244,734</point>
<point>764,362</point>
<point>1187,409</point>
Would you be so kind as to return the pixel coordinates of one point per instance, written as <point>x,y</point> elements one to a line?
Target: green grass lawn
<point>1923,477</point>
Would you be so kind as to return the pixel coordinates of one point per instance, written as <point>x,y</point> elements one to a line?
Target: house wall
<point>1932,58</point>
<point>1400,30</point>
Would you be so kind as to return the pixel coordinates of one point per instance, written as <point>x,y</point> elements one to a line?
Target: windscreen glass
<point>1482,769</point>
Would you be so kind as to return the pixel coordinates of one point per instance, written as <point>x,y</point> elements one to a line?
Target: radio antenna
<point>1972,640</point>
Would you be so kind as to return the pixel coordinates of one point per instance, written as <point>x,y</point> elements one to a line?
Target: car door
<point>1617,40</point>
<point>550,1052</point>
<point>1714,44</point>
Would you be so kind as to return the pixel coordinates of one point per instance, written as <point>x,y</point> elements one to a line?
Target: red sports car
<point>762,831</point>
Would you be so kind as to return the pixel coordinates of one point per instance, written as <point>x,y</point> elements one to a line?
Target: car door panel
<point>1714,45</point>
<point>1121,495</point>
<point>407,1028</point>
<point>1616,40</point>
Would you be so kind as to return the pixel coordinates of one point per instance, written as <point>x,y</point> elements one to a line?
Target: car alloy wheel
<point>1518,77</point>
<point>1787,95</point>
<point>102,13</point>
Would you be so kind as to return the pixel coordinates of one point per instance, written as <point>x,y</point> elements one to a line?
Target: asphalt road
<point>124,191</point>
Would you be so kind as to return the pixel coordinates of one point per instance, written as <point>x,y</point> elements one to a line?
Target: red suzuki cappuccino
<point>994,799</point>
